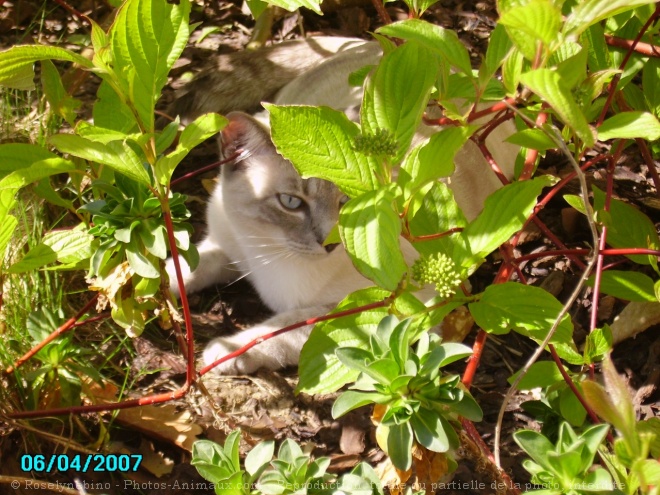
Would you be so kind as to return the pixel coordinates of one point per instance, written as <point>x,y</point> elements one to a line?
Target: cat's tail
<point>242,80</point>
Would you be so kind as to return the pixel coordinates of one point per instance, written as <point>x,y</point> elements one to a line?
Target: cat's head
<point>265,197</point>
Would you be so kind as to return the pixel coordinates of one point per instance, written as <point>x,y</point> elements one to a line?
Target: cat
<point>264,221</point>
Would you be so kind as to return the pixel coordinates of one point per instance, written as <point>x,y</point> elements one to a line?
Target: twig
<point>206,168</point>
<point>311,321</point>
<point>650,163</point>
<point>631,49</point>
<point>68,325</point>
<point>382,12</point>
<point>639,47</point>
<point>573,297</point>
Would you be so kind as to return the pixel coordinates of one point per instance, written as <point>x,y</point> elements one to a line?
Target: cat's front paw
<point>240,365</point>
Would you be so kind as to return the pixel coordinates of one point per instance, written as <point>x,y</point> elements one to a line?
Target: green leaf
<point>627,285</point>
<point>197,131</point>
<point>570,60</point>
<point>16,63</point>
<point>526,309</point>
<point>67,246</point>
<point>140,263</point>
<point>444,355</point>
<point>370,229</point>
<point>400,344</point>
<point>352,399</point>
<point>110,111</point>
<point>570,407</point>
<point>355,357</point>
<point>146,38</point>
<point>59,100</point>
<point>434,159</point>
<point>535,445</point>
<point>599,342</point>
<point>37,257</point>
<point>256,7</point>
<point>650,76</point>
<point>258,458</point>
<point>443,42</point>
<point>320,370</point>
<point>326,153</point>
<point>36,171</point>
<point>14,156</point>
<point>588,12</point>
<point>116,155</point>
<point>429,430</point>
<point>505,212</point>
<point>499,46</point>
<point>630,125</point>
<point>531,22</point>
<point>535,139</point>
<point>399,445</point>
<point>396,94</point>
<point>540,374</point>
<point>628,227</point>
<point>551,88</point>
<point>576,202</point>
<point>606,404</point>
<point>231,448</point>
<point>293,5</point>
<point>512,71</point>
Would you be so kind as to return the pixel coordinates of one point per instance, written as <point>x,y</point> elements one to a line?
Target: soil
<point>264,405</point>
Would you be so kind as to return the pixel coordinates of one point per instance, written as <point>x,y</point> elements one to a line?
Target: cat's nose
<point>330,247</point>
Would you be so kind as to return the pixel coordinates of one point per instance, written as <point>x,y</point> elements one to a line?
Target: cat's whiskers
<point>262,261</point>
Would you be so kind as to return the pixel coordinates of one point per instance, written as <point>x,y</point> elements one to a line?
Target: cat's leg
<point>214,267</point>
<point>278,352</point>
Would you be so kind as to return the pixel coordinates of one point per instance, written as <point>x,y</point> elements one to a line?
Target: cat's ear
<point>245,135</point>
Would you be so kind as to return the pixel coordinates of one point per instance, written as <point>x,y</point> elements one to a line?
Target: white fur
<point>305,281</point>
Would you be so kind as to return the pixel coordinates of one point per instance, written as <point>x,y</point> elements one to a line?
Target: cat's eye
<point>290,202</point>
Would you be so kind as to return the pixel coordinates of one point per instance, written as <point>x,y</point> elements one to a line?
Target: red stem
<point>206,168</point>
<point>185,307</point>
<point>431,237</point>
<point>574,389</point>
<point>631,49</point>
<point>474,359</point>
<point>71,10</point>
<point>650,163</point>
<point>639,47</point>
<point>504,273</point>
<point>382,12</point>
<point>68,325</point>
<point>474,435</point>
<point>311,321</point>
<point>532,155</point>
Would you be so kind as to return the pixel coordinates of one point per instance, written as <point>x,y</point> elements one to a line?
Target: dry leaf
<point>392,478</point>
<point>154,462</point>
<point>164,422</point>
<point>635,318</point>
<point>457,325</point>
<point>351,440</point>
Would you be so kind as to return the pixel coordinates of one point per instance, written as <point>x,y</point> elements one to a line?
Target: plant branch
<point>311,321</point>
<point>382,12</point>
<point>190,357</point>
<point>202,170</point>
<point>68,325</point>
<point>569,381</point>
<point>556,137</point>
<point>650,163</point>
<point>639,47</point>
<point>631,49</point>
